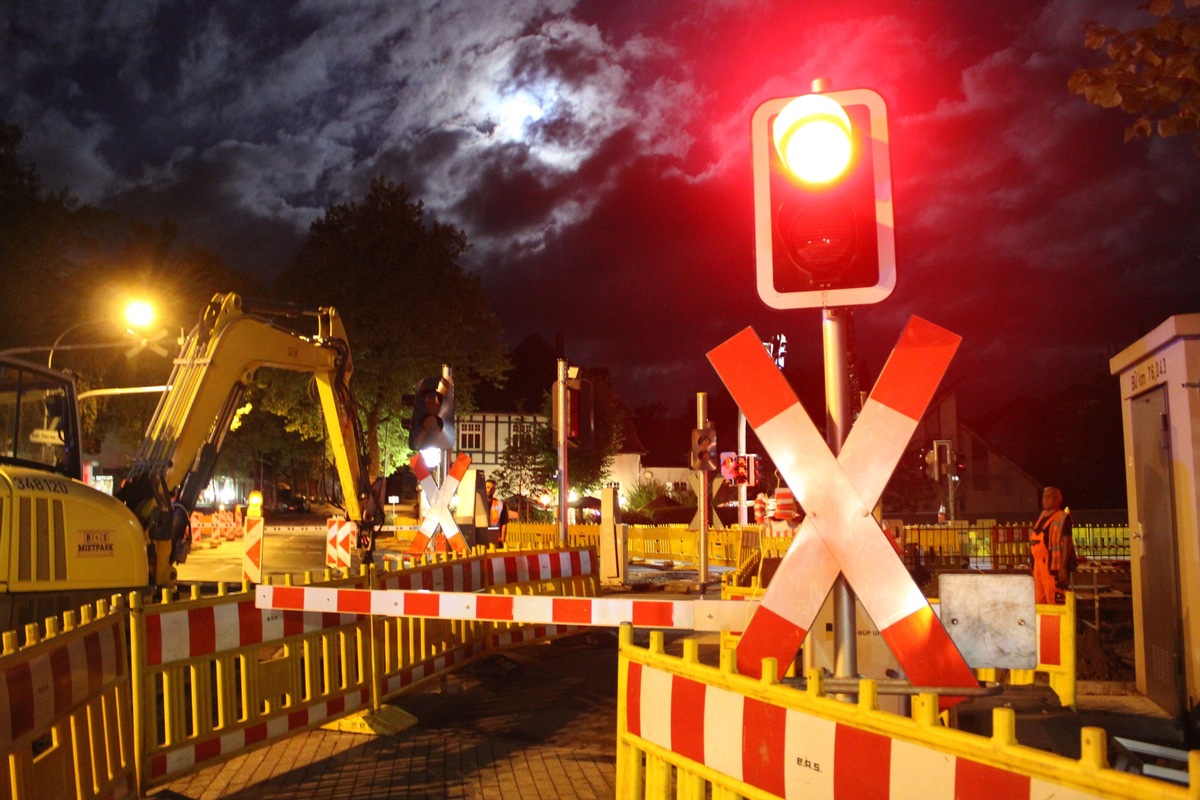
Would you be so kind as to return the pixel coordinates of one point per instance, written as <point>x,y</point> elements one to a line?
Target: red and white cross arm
<point>698,615</point>
<point>837,496</point>
<point>439,504</point>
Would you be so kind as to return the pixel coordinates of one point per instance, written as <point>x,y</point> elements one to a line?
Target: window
<point>470,436</point>
<point>521,436</point>
<point>37,420</point>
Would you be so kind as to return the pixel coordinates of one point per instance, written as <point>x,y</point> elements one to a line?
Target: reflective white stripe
<point>656,706</point>
<point>227,627</point>
<point>918,771</point>
<point>809,742</point>
<point>723,730</point>
<point>176,636</point>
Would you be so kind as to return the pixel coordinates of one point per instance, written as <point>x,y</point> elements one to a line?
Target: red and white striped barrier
<point>439,514</point>
<point>194,754</point>
<point>35,692</point>
<point>492,571</point>
<point>699,615</point>
<point>179,635</point>
<point>504,570</point>
<point>793,754</point>
<point>839,533</point>
<point>339,544</point>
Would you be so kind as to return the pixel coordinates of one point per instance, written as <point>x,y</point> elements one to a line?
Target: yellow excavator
<point>64,543</point>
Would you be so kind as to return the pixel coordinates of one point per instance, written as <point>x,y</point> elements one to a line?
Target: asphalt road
<point>292,543</point>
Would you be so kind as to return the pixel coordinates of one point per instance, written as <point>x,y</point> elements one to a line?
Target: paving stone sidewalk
<point>535,722</point>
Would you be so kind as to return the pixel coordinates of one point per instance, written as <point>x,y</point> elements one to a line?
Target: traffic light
<point>704,448</point>
<point>823,228</point>
<point>581,421</point>
<point>938,460</point>
<point>931,466</point>
<point>432,423</point>
<point>747,470</point>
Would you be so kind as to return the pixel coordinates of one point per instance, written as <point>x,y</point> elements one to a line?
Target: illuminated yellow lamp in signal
<point>812,138</point>
<point>254,505</point>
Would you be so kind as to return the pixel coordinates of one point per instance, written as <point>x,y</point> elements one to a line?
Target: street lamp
<point>138,314</point>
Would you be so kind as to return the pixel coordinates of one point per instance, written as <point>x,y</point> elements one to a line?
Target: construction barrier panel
<point>142,695</point>
<point>689,730</point>
<point>66,715</point>
<point>1055,652</point>
<point>673,543</point>
<point>990,545</point>
<point>214,676</point>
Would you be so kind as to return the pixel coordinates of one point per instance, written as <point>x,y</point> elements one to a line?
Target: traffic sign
<point>839,534</point>
<point>252,549</point>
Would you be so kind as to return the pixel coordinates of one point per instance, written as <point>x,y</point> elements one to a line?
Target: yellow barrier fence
<point>673,543</point>
<point>66,728</point>
<point>141,695</point>
<point>689,730</point>
<point>991,545</point>
<point>214,676</point>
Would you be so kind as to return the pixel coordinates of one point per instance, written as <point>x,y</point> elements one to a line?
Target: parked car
<point>294,502</point>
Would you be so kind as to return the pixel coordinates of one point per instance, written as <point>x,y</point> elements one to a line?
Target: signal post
<point>825,238</point>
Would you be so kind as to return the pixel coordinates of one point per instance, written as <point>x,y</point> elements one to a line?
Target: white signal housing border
<point>760,143</point>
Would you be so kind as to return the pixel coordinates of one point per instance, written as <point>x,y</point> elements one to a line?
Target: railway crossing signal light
<point>432,424</point>
<point>824,233</point>
<point>704,448</point>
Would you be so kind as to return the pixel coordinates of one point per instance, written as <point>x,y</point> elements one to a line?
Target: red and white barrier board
<point>252,550</point>
<point>340,551</point>
<point>700,615</point>
<point>196,632</point>
<point>194,754</point>
<point>34,692</point>
<point>793,754</point>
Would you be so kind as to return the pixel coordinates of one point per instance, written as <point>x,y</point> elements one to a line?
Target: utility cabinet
<point>1160,409</point>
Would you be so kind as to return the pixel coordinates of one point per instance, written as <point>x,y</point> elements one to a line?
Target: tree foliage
<point>527,465</point>
<point>1153,72</point>
<point>407,304</point>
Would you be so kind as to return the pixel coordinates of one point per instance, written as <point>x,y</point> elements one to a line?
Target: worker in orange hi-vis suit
<point>1049,544</point>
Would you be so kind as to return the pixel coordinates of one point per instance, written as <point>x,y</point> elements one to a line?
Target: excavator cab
<point>39,424</point>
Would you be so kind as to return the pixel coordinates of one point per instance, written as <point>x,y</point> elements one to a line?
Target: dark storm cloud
<point>597,155</point>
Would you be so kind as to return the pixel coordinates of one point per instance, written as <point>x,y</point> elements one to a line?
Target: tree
<point>526,465</point>
<point>408,306</point>
<point>1153,72</point>
<point>36,238</point>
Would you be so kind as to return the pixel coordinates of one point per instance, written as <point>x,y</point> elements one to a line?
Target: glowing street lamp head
<point>812,137</point>
<point>139,313</point>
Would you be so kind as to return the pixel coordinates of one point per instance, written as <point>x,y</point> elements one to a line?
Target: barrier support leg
<point>378,719</point>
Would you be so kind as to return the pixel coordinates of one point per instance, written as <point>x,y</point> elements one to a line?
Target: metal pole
<point>837,426</point>
<point>702,496</point>
<point>564,422</point>
<point>743,517</point>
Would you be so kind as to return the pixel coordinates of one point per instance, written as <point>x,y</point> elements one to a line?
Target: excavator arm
<point>216,365</point>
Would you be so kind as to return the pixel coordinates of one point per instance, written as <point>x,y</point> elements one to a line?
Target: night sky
<point>597,155</point>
